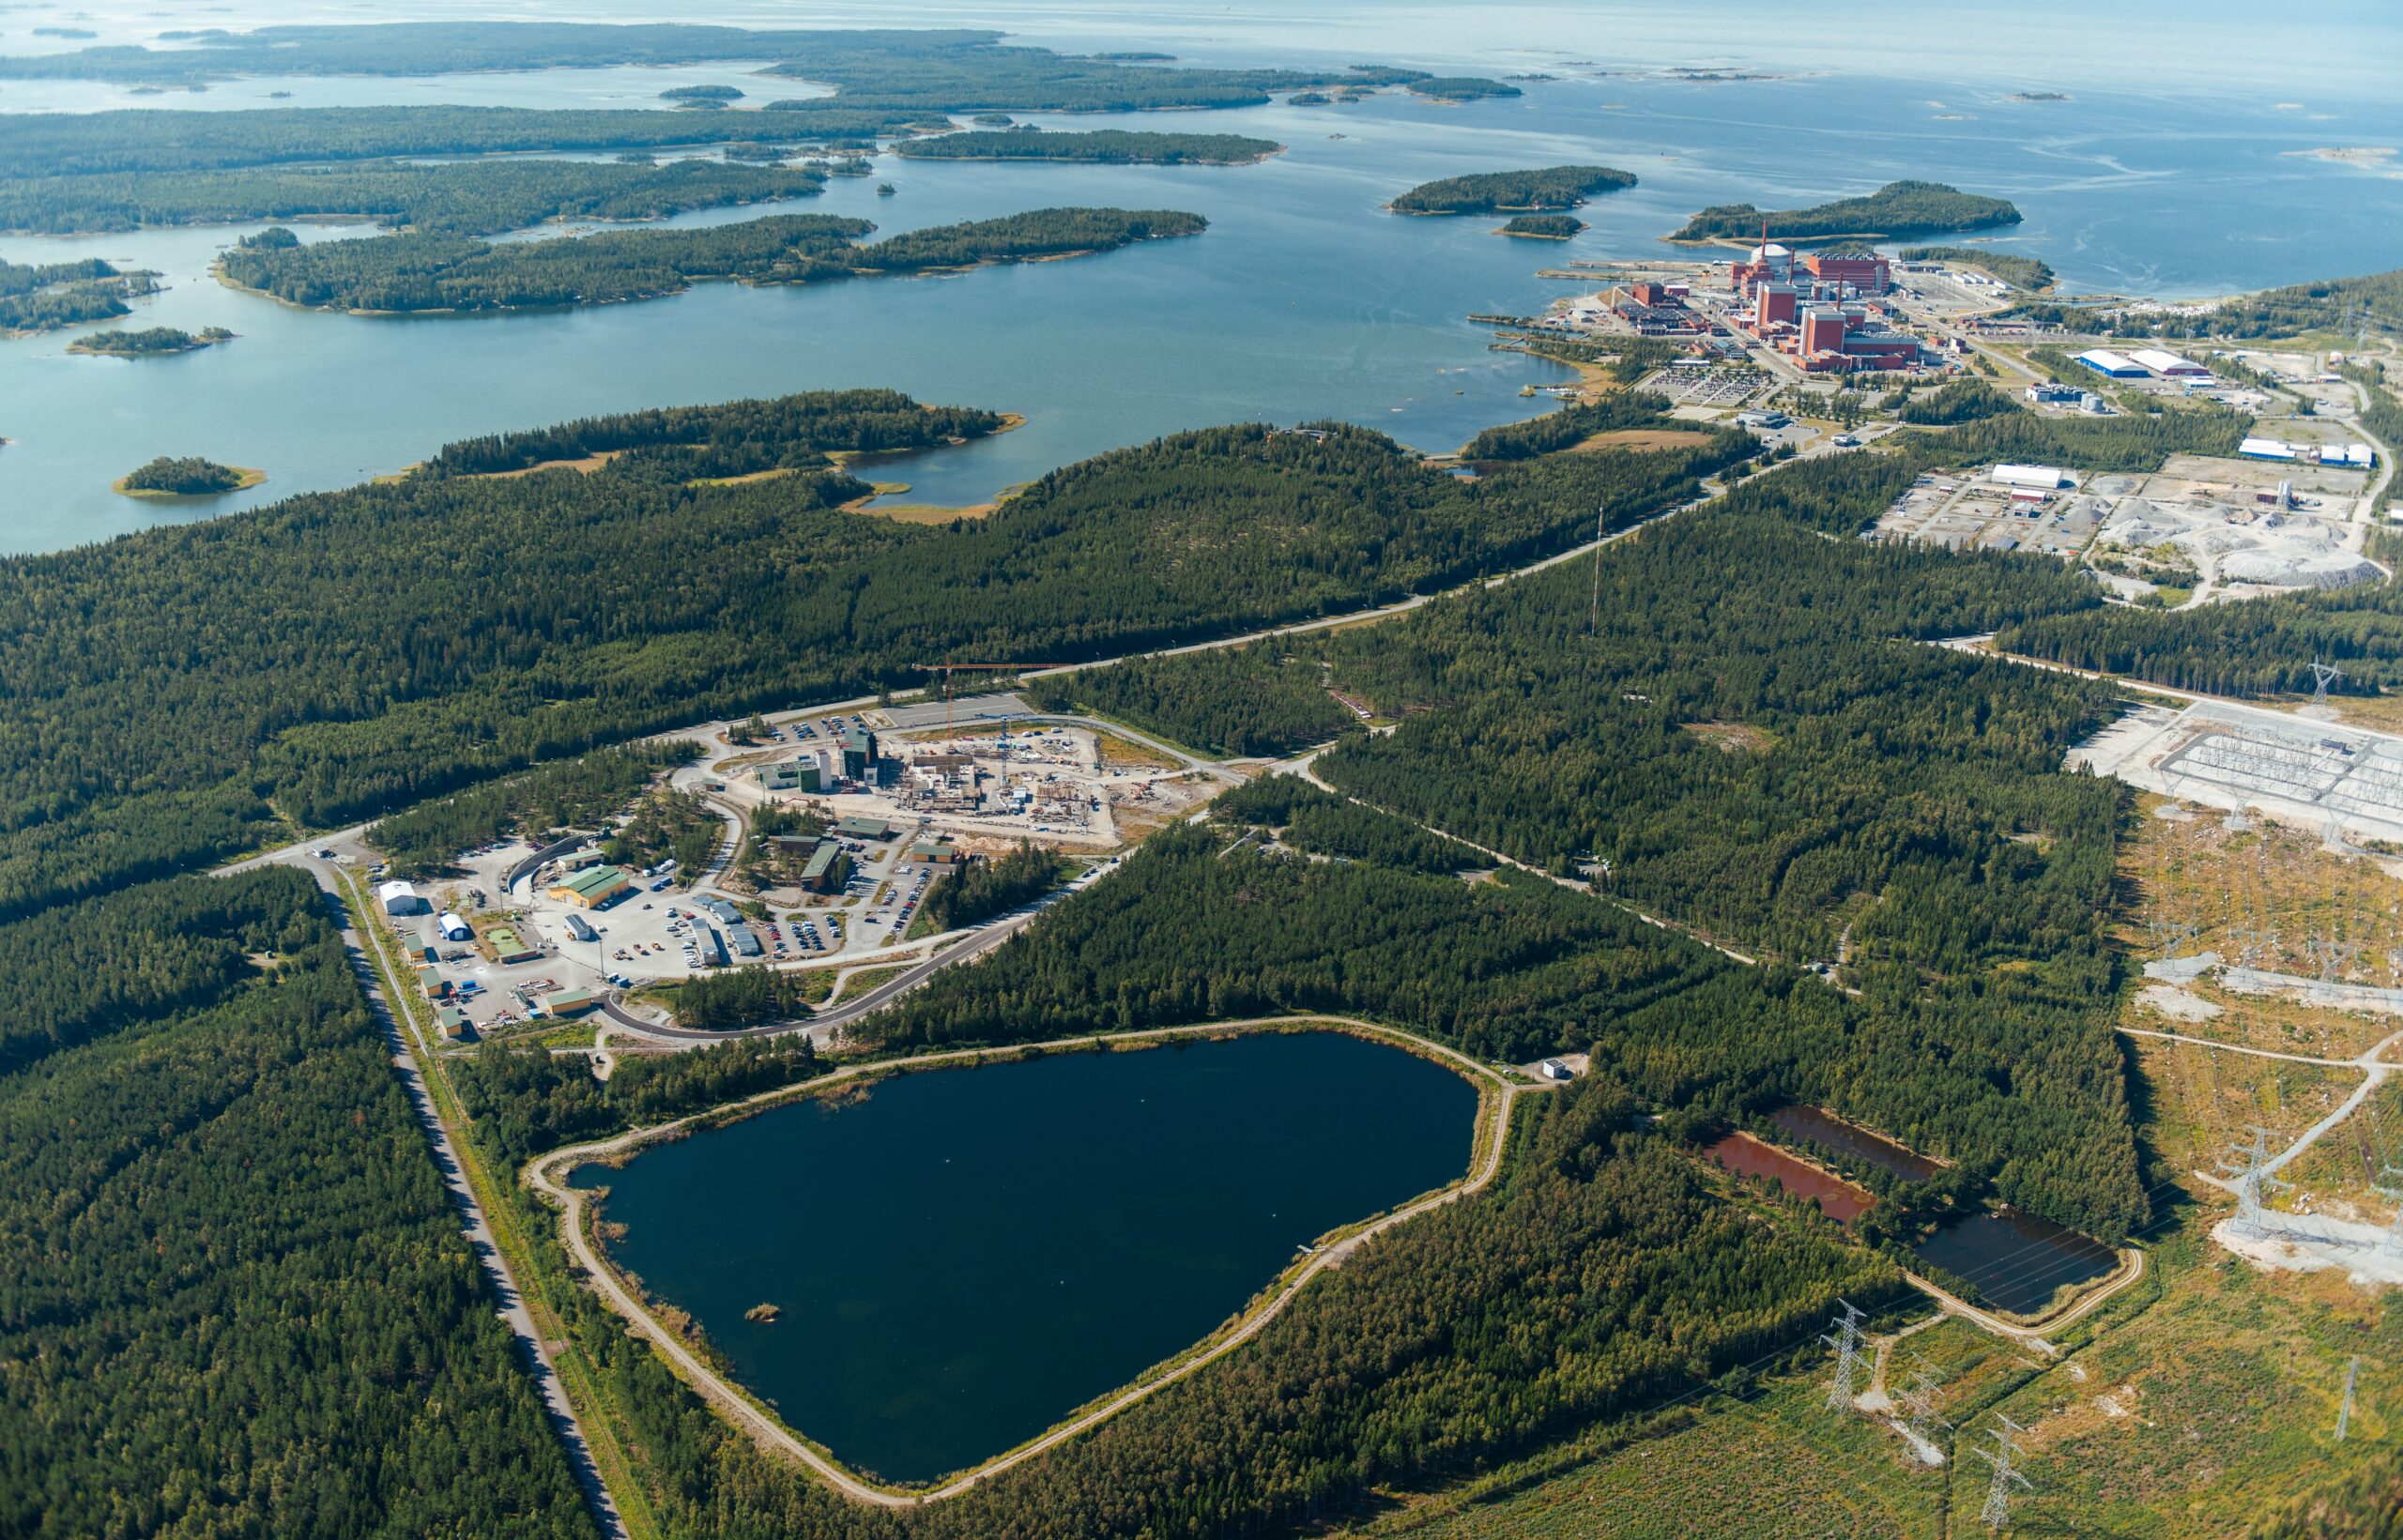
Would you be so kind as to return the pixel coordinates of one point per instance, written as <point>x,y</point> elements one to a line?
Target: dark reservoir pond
<point>963,1256</point>
<point>2015,1261</point>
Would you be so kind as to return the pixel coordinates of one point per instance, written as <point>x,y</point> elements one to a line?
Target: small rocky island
<point>151,343</point>
<point>187,476</point>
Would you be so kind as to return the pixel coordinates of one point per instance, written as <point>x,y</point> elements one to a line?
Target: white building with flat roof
<point>2038,477</point>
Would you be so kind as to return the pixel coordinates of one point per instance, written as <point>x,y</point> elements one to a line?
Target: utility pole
<point>2248,1168</point>
<point>1847,1342</point>
<point>1996,1513</point>
<point>2345,1412</point>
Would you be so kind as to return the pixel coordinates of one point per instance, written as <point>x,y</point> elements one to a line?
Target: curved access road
<point>547,1176</point>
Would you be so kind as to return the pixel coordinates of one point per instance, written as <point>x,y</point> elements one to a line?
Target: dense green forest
<point>979,891</point>
<point>456,198</point>
<point>1949,405</point>
<point>524,1101</point>
<point>687,443</point>
<point>1570,426</point>
<point>45,145</point>
<point>569,794</point>
<point>2003,1060</point>
<point>2338,305</point>
<point>1232,701</point>
<point>339,655</point>
<point>2261,646</point>
<point>64,294</point>
<point>1496,191</point>
<point>233,1294</point>
<point>187,476</point>
<point>1545,226</point>
<point>1110,146</point>
<point>745,996</point>
<point>429,272</point>
<point>2026,271</point>
<point>927,70</point>
<point>1898,208</point>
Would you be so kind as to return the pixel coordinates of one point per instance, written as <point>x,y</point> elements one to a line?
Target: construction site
<point>2200,528</point>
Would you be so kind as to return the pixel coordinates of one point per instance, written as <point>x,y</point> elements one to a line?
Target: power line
<point>2345,1412</point>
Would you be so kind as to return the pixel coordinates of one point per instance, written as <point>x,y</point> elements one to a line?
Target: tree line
<point>977,890</point>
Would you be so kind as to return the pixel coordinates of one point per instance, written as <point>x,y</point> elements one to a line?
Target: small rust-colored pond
<point>1745,1155</point>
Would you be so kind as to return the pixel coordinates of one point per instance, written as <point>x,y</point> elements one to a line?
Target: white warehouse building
<point>2043,478</point>
<point>455,929</point>
<point>2160,362</point>
<point>400,898</point>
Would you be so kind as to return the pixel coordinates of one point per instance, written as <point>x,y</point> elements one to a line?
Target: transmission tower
<point>2248,1171</point>
<point>1847,1342</point>
<point>2250,943</point>
<point>1919,1404</point>
<point>2345,1412</point>
<point>1996,1513</point>
<point>2322,676</point>
<point>2333,956</point>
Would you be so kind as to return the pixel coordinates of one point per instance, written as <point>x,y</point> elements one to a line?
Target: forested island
<point>1552,188</point>
<point>45,297</point>
<point>1895,210</point>
<point>958,69</point>
<point>2024,272</point>
<point>1105,146</point>
<point>1460,89</point>
<point>1546,227</point>
<point>459,197</point>
<point>42,145</point>
<point>428,272</point>
<point>702,95</point>
<point>154,342</point>
<point>191,477</point>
